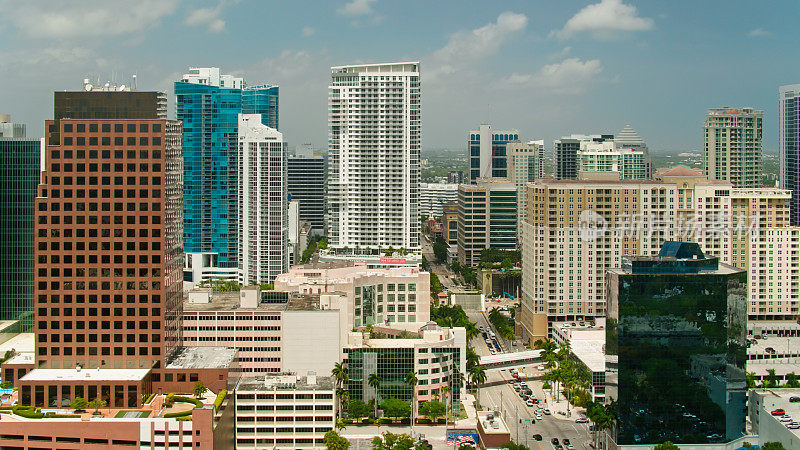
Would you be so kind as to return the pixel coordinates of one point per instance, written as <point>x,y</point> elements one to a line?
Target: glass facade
<point>498,158</point>
<point>19,178</point>
<point>210,121</point>
<point>676,329</point>
<point>391,364</point>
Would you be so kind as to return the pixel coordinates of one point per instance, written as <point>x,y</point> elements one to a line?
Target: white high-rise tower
<point>374,156</point>
<point>263,208</point>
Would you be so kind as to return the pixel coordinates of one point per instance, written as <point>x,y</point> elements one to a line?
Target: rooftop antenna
<point>134,82</point>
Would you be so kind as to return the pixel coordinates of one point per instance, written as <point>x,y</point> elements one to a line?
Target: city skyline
<point>627,57</point>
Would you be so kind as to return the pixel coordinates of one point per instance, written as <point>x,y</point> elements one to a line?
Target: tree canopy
<point>334,441</point>
<point>394,407</point>
<point>433,409</point>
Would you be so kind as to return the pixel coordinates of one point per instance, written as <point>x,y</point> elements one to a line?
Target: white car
<point>786,419</point>
<point>540,367</point>
<point>529,403</point>
<point>581,420</point>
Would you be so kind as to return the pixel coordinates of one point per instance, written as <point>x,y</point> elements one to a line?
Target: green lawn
<point>130,414</point>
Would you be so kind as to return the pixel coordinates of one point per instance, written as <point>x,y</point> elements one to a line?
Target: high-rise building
<point>676,326</point>
<point>487,218</point>
<point>433,196</point>
<point>374,156</point>
<point>450,222</point>
<point>262,201</point>
<point>566,154</point>
<point>732,145</point>
<point>630,163</point>
<point>19,178</point>
<point>455,177</point>
<point>208,105</point>
<point>305,178</point>
<point>789,145</point>
<point>487,152</point>
<point>576,229</point>
<point>525,164</point>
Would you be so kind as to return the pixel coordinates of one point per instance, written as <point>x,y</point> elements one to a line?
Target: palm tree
<point>772,379</point>
<point>375,382</point>
<point>471,329</point>
<point>791,380</point>
<point>472,357</point>
<point>548,347</point>
<point>339,372</point>
<point>445,395</point>
<point>751,380</point>
<point>477,376</point>
<point>411,380</point>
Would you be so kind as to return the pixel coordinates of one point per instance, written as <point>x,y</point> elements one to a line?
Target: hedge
<point>149,398</point>
<point>178,414</point>
<point>184,419</point>
<point>178,398</point>
<point>220,398</point>
<point>28,412</point>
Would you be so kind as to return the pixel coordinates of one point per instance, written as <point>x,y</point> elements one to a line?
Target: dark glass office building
<point>305,178</point>
<point>19,178</point>
<point>676,347</point>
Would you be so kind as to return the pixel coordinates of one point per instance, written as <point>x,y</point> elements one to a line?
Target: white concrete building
<point>433,195</point>
<point>263,209</point>
<point>627,155</point>
<point>374,156</point>
<point>525,165</point>
<point>375,296</point>
<point>293,244</point>
<point>284,411</point>
<point>210,76</point>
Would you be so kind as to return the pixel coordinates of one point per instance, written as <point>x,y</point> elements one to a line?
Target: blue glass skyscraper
<point>487,152</point>
<point>209,104</point>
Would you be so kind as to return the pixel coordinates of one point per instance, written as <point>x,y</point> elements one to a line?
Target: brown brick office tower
<point>109,256</point>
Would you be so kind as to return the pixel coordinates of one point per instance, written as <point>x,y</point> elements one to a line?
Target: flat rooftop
<point>496,425</point>
<point>230,301</point>
<point>285,383</point>
<point>779,398</point>
<point>86,375</point>
<point>590,352</point>
<point>202,358</point>
<point>21,343</point>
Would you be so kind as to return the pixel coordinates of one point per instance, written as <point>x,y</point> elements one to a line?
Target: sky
<point>545,68</point>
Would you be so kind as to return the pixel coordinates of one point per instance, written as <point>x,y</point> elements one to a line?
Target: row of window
<point>106,127</point>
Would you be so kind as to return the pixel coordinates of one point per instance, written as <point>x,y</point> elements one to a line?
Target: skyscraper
<point>789,145</point>
<point>262,203</point>
<point>305,178</point>
<point>208,104</point>
<point>732,145</point>
<point>630,163</point>
<point>676,324</point>
<point>566,154</point>
<point>487,218</point>
<point>525,165</point>
<point>19,178</point>
<point>374,156</point>
<point>108,260</point>
<point>487,152</point>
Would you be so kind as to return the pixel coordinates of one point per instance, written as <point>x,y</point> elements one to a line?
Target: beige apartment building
<point>732,145</point>
<point>577,229</point>
<point>525,164</point>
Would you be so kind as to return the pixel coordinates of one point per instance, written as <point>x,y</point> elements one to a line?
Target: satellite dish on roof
<point>87,87</point>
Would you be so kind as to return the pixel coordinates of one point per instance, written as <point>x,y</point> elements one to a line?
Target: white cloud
<point>209,17</point>
<point>605,20</point>
<point>357,8</point>
<point>570,76</point>
<point>63,20</point>
<point>484,41</point>
<point>759,32</point>
<point>308,31</point>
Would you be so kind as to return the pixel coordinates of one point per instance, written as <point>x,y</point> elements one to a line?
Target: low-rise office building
<point>284,411</point>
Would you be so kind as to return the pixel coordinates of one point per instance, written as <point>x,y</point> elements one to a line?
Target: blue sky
<point>545,68</point>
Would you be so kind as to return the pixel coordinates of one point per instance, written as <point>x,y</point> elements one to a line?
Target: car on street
<point>493,352</point>
<point>554,441</point>
<point>581,420</point>
<point>541,367</point>
<point>524,384</point>
<point>785,419</point>
<point>546,412</point>
<point>565,441</point>
<point>778,412</point>
<point>529,402</point>
<point>794,399</point>
<point>516,387</point>
<point>537,437</point>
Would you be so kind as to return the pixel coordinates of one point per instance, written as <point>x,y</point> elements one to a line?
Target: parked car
<point>546,412</point>
<point>537,437</point>
<point>516,387</point>
<point>778,412</point>
<point>758,336</point>
<point>540,367</point>
<point>554,441</point>
<point>770,350</point>
<point>785,419</point>
<point>794,399</point>
<point>581,420</point>
<point>529,402</point>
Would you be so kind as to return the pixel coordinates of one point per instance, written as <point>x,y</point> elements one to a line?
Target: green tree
<point>751,380</point>
<point>440,249</point>
<point>772,378</point>
<point>511,445</point>
<point>433,409</point>
<point>339,373</point>
<point>357,409</point>
<point>392,441</point>
<point>97,404</point>
<point>666,446</point>
<point>334,441</point>
<point>374,381</point>
<point>477,376</point>
<point>792,381</point>
<point>472,357</point>
<point>78,404</point>
<point>773,446</point>
<point>199,389</point>
<point>394,407</point>
<point>411,380</point>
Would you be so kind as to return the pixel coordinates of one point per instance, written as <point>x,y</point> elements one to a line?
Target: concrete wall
<point>311,341</point>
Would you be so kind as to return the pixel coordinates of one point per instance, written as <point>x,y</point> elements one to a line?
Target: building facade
<point>611,155</point>
<point>565,151</point>
<point>284,411</point>
<point>374,156</point>
<point>576,230</point>
<point>789,145</point>
<point>455,177</point>
<point>437,356</point>
<point>305,179</point>
<point>676,325</point>
<point>208,105</point>
<point>374,296</point>
<point>19,179</point>
<point>487,152</point>
<point>525,165</point>
<point>450,222</point>
<point>732,145</point>
<point>262,201</point>
<point>433,196</point>
<point>487,218</point>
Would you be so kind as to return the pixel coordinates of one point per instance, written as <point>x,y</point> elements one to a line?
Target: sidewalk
<point>557,408</point>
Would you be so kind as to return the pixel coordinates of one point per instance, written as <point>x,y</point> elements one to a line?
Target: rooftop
<point>285,383</point>
<point>86,375</point>
<point>230,301</point>
<point>590,352</point>
<point>495,425</point>
<point>202,358</point>
<point>21,343</point>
